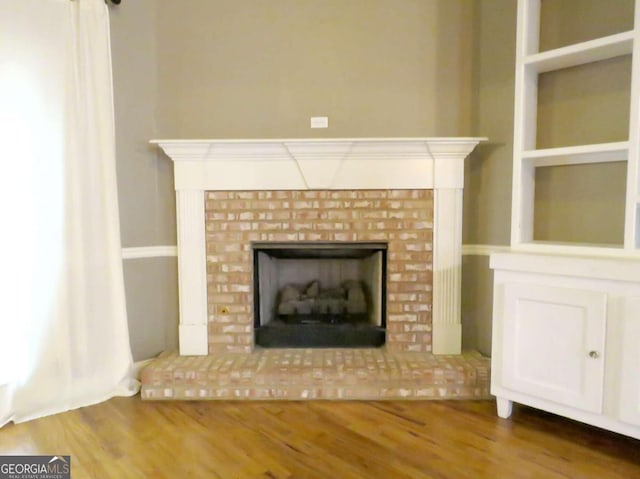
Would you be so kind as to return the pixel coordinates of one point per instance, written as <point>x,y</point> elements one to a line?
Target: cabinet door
<point>553,344</point>
<point>629,401</point>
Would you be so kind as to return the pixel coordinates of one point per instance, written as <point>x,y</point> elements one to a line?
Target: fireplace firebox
<point>330,294</point>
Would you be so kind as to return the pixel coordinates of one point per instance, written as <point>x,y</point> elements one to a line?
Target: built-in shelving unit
<point>566,317</point>
<point>530,63</point>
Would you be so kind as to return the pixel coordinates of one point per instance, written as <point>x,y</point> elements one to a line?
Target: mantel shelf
<point>327,163</point>
<point>325,148</point>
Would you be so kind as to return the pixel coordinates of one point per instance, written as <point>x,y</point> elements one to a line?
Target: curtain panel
<point>64,340</point>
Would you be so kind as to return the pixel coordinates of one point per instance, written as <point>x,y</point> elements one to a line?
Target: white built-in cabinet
<point>566,337</point>
<point>566,317</point>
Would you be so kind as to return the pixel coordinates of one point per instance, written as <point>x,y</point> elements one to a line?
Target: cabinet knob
<point>594,354</point>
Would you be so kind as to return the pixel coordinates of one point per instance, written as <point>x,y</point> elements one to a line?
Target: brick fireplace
<point>405,193</point>
<point>401,218</point>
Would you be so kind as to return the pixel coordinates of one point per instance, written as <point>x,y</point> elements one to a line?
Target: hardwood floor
<point>129,438</point>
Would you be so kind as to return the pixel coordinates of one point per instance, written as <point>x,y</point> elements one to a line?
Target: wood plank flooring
<point>129,438</point>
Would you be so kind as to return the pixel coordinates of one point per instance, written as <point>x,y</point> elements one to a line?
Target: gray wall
<point>487,195</point>
<point>145,180</point>
<point>258,69</point>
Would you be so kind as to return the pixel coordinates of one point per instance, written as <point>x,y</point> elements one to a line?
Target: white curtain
<point>64,341</point>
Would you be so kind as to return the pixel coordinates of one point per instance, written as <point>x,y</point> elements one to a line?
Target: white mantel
<point>304,164</point>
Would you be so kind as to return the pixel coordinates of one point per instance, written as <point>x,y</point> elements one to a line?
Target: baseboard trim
<point>483,249</point>
<point>149,252</point>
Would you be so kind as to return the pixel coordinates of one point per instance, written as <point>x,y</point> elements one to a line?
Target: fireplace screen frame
<point>370,333</point>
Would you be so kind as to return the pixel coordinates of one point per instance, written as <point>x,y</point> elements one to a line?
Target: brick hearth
<point>317,374</point>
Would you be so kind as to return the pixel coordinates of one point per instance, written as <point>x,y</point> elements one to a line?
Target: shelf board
<point>578,155</point>
<point>580,249</point>
<point>581,53</point>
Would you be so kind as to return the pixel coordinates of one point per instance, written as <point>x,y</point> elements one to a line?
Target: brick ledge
<point>303,374</point>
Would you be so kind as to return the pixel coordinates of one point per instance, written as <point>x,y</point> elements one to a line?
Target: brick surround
<point>403,218</point>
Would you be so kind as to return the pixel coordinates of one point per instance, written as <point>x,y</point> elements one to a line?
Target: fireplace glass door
<point>319,294</point>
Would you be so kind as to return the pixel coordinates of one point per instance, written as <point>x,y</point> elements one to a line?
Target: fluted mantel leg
<point>447,267</point>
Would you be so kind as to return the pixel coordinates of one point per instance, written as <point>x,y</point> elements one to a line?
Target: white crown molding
<point>345,163</point>
<point>274,149</point>
<point>140,252</point>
